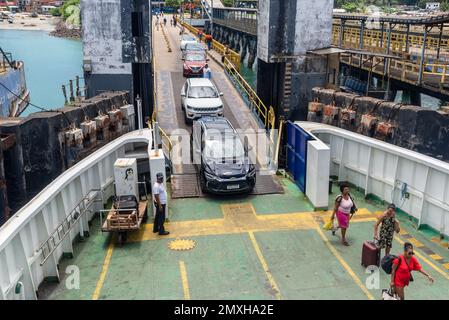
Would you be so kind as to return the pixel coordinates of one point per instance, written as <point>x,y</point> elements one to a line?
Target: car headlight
<point>209,176</point>
<point>251,171</point>
<point>189,107</point>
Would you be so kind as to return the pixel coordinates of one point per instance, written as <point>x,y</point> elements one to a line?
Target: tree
<point>173,3</point>
<point>444,6</point>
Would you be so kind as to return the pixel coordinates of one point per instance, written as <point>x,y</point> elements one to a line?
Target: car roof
<point>196,44</point>
<point>200,82</point>
<point>216,123</point>
<point>188,36</point>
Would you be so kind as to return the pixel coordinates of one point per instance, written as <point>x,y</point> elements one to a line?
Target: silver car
<point>200,97</point>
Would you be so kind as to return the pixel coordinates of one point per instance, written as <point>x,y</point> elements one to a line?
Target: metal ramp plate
<point>184,186</point>
<point>187,186</point>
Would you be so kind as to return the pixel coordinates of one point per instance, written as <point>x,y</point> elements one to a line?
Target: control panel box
<point>126,177</point>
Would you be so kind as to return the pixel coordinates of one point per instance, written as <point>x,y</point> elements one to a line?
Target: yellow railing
<point>254,100</point>
<point>408,70</point>
<point>375,41</point>
<point>231,55</point>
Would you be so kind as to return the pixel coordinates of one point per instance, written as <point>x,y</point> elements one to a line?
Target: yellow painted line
<point>265,266</point>
<point>446,266</point>
<point>234,223</point>
<point>185,281</point>
<point>436,257</point>
<point>421,256</point>
<point>415,243</point>
<point>230,224</point>
<point>104,270</point>
<point>344,264</point>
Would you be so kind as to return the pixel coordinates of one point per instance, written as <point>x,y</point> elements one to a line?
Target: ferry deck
<point>269,246</point>
<point>264,246</point>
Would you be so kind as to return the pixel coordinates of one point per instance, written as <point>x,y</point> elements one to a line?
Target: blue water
<point>50,62</point>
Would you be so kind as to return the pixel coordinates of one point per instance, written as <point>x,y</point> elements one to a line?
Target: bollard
<point>64,92</point>
<point>72,98</point>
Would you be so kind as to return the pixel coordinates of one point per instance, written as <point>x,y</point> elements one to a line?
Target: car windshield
<point>195,57</point>
<point>194,47</point>
<point>224,149</point>
<point>188,38</point>
<point>202,92</point>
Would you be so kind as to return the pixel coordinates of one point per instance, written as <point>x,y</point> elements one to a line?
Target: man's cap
<point>159,175</point>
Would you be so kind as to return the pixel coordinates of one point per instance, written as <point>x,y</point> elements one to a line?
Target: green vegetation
<point>384,5</point>
<point>228,3</point>
<point>55,12</point>
<point>172,3</point>
<point>70,12</point>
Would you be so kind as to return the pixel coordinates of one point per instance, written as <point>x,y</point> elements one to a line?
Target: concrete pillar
<point>289,29</point>
<point>317,173</point>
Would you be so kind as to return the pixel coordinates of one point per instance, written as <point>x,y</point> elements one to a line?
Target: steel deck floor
<point>249,247</point>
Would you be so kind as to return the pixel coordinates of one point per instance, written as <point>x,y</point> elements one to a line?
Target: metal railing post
<point>423,52</point>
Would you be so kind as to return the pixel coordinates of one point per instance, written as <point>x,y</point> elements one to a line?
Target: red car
<point>194,62</point>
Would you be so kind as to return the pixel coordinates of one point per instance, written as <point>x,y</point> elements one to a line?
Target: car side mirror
<point>207,59</point>
<point>183,94</point>
<point>221,94</point>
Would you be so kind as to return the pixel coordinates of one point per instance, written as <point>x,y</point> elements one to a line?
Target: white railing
<point>23,235</point>
<point>417,184</point>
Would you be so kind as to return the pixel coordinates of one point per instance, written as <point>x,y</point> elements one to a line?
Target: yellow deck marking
<point>436,257</point>
<point>242,221</point>
<point>230,224</point>
<point>344,264</point>
<point>185,281</point>
<point>104,270</point>
<point>446,266</point>
<point>265,266</point>
<point>421,256</point>
<point>415,243</point>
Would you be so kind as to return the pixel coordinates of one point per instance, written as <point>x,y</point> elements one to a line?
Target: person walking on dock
<point>165,21</point>
<point>389,225</point>
<point>160,202</point>
<point>174,21</point>
<point>401,274</point>
<point>208,39</point>
<point>344,209</point>
<point>226,53</point>
<point>207,72</point>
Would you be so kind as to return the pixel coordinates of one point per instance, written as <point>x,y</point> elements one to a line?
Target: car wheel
<point>203,183</point>
<point>187,120</point>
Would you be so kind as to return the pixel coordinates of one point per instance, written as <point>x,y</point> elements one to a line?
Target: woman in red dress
<point>403,266</point>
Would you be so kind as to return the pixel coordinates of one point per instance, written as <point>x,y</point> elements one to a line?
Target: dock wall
<point>412,127</point>
<point>48,143</point>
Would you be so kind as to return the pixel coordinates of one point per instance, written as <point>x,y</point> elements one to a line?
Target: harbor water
<point>49,62</point>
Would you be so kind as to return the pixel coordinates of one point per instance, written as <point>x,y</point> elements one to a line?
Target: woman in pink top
<point>344,208</point>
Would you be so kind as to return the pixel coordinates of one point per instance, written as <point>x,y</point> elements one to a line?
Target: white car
<point>200,97</point>
<point>187,38</point>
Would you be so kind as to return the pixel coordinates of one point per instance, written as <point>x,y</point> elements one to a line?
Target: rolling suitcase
<point>370,254</point>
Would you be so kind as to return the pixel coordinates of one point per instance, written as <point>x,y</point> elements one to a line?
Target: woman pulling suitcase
<point>389,225</point>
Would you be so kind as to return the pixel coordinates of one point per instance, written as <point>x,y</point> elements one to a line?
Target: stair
<point>287,87</point>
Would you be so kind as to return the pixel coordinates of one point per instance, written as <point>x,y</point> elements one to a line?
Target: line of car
<point>221,158</point>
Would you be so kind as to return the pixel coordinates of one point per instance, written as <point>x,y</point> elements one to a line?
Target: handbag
<point>328,225</point>
<point>354,207</point>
